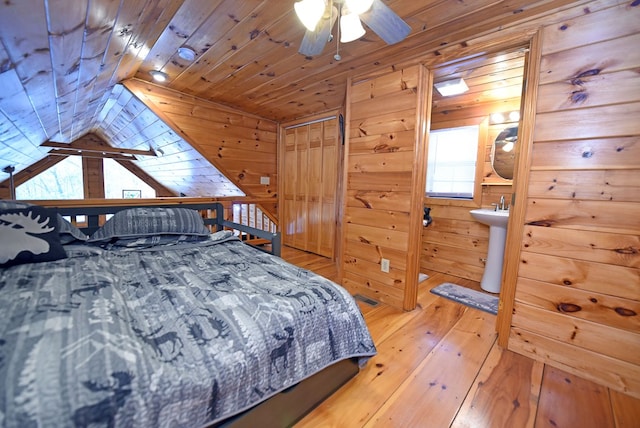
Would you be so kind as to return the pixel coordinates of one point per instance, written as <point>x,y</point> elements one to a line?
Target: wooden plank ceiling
<point>61,60</point>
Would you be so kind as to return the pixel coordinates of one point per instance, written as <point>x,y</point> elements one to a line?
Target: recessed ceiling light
<point>158,75</point>
<point>186,53</point>
<point>451,87</point>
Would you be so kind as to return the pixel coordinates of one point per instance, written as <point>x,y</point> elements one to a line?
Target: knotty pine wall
<point>379,196</point>
<point>577,291</point>
<point>241,146</point>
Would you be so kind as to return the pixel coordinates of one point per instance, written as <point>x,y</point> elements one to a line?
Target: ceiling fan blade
<point>385,23</point>
<point>313,42</point>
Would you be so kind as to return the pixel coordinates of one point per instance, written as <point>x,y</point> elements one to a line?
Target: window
<point>451,162</point>
<point>120,183</point>
<point>61,181</point>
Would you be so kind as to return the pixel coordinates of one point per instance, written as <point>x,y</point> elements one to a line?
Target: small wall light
<point>497,118</point>
<point>504,117</point>
<point>159,76</point>
<point>451,87</point>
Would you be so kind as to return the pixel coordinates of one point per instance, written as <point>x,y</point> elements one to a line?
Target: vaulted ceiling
<point>61,60</point>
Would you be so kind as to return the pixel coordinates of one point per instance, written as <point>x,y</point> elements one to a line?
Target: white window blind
<point>451,163</point>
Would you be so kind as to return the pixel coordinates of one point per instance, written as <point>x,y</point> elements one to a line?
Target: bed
<point>162,318</point>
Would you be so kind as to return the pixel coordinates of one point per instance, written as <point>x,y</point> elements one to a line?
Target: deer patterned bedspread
<point>178,336</point>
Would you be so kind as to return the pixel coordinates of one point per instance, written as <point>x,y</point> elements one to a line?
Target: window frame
<point>481,159</point>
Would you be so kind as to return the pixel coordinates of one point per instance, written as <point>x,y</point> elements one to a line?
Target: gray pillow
<point>67,231</point>
<point>149,221</point>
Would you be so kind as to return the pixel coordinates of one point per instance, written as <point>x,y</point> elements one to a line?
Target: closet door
<point>289,174</point>
<point>300,236</point>
<point>329,192</point>
<point>311,165</point>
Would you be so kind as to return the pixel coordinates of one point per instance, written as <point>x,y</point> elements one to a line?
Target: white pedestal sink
<point>497,222</point>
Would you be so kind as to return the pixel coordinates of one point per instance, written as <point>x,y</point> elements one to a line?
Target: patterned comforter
<point>168,336</point>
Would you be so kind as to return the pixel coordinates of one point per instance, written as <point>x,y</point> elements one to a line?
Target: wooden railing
<point>246,211</point>
<point>251,213</point>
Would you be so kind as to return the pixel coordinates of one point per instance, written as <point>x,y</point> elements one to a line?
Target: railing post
<point>276,245</point>
<point>219,216</point>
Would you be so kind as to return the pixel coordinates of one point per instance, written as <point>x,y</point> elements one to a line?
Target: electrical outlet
<point>265,180</point>
<point>384,265</point>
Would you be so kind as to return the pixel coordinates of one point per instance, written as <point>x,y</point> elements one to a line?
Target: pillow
<point>29,235</point>
<point>8,204</point>
<point>149,221</point>
<point>68,232</point>
<point>153,241</point>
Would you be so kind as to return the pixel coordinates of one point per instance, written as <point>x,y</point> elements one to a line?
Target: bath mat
<point>466,296</point>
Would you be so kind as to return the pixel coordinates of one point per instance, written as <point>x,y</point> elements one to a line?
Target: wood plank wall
<point>577,297</point>
<point>241,146</point>
<point>379,169</point>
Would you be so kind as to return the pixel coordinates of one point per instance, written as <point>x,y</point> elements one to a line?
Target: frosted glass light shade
<point>358,6</point>
<point>350,28</point>
<point>187,53</point>
<point>158,75</point>
<point>309,12</point>
<point>451,87</point>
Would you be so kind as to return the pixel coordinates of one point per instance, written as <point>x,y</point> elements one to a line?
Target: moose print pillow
<point>29,235</point>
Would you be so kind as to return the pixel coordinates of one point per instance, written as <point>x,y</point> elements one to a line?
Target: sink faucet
<point>501,205</point>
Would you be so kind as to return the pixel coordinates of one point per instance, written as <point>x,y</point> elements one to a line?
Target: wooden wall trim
<point>423,122</point>
<point>342,232</point>
<point>312,118</point>
<point>515,228</point>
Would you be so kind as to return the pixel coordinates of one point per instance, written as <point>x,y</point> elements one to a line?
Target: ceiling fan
<point>319,16</point>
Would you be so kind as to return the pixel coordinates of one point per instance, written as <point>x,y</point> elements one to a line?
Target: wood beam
<point>92,148</point>
<point>94,155</point>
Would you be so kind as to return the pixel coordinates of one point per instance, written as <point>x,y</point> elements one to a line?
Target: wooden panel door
<point>288,223</point>
<point>330,168</point>
<point>302,159</point>
<point>310,169</point>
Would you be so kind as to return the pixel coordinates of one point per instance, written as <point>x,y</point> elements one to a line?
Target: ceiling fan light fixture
<point>159,76</point>
<point>309,12</point>
<point>451,87</point>
<point>358,6</point>
<point>350,28</point>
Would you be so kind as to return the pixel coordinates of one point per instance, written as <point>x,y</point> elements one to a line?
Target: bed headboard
<point>212,214</point>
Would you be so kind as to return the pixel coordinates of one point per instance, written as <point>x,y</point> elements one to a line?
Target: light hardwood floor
<point>440,366</point>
